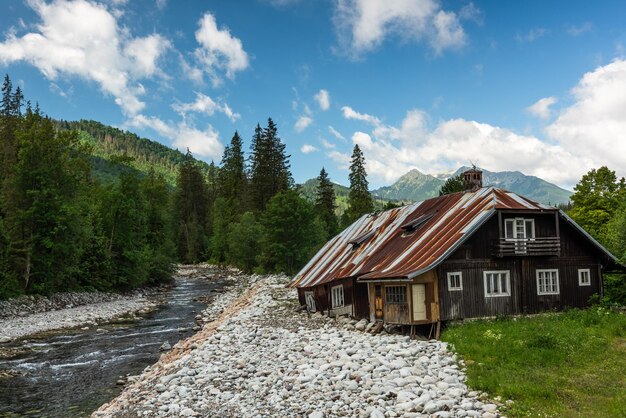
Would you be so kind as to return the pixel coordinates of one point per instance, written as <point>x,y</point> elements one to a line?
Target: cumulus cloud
<point>307,149</point>
<point>323,99</point>
<point>81,38</point>
<point>219,50</point>
<point>363,25</point>
<point>302,123</point>
<point>391,151</point>
<point>594,125</point>
<point>541,108</point>
<point>205,105</point>
<point>204,143</point>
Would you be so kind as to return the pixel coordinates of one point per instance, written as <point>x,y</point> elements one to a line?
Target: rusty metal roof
<point>386,246</point>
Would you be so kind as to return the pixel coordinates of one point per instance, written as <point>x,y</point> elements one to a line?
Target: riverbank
<point>257,355</point>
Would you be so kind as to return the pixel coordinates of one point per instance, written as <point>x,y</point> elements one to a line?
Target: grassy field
<point>570,364</point>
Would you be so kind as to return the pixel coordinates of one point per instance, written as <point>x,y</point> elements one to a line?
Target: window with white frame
<point>548,282</point>
<point>521,231</point>
<point>337,296</point>
<point>584,277</point>
<point>455,280</point>
<point>497,283</point>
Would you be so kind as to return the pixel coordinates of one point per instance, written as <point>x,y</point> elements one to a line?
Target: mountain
<point>530,186</point>
<point>107,144</point>
<point>308,188</point>
<point>413,186</point>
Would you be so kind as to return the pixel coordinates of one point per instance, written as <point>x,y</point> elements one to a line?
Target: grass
<point>569,364</point>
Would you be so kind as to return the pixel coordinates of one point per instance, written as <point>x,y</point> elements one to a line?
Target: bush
<point>615,289</point>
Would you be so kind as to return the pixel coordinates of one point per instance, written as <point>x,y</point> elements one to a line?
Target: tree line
<point>250,214</point>
<point>63,228</point>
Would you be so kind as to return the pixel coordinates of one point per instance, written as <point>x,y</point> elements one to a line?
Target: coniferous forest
<point>76,216</point>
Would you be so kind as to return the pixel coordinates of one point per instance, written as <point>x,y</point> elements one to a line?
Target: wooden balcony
<point>544,246</point>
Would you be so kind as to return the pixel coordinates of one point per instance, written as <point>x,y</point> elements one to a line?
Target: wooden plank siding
<point>474,258</point>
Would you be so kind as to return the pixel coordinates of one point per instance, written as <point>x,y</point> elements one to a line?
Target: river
<point>72,372</point>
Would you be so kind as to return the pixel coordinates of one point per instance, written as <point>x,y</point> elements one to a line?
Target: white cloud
<point>201,143</point>
<point>161,4</point>
<point>392,151</point>
<point>541,108</point>
<point>350,113</point>
<point>532,35</point>
<point>579,30</point>
<point>219,50</point>
<point>342,159</point>
<point>303,123</point>
<point>594,126</point>
<point>83,39</point>
<point>204,104</point>
<point>307,149</point>
<point>363,25</point>
<point>323,99</point>
<point>328,144</point>
<point>336,133</point>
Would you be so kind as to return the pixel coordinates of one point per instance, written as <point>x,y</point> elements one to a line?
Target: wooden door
<point>378,302</point>
<point>310,301</point>
<point>419,302</point>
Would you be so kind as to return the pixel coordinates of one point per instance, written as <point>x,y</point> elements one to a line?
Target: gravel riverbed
<point>89,314</point>
<point>256,355</point>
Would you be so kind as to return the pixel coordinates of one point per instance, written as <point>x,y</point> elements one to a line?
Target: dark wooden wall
<point>474,257</point>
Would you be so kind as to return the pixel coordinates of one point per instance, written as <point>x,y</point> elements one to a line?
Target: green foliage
<point>232,183</point>
<point>325,205</point>
<point>221,220</point>
<point>291,233</point>
<point>61,231</point>
<point>269,166</point>
<point>359,201</point>
<point>614,289</point>
<point>191,209</point>
<point>106,143</point>
<point>596,200</point>
<point>565,364</point>
<point>452,185</point>
<point>243,242</point>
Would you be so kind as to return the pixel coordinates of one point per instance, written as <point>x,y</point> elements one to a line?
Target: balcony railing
<point>544,246</point>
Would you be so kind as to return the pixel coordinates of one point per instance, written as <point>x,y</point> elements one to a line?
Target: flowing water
<point>71,373</point>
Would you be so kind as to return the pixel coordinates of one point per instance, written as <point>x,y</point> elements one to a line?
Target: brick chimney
<point>472,179</point>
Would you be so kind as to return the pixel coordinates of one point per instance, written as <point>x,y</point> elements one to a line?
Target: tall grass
<point>569,364</point>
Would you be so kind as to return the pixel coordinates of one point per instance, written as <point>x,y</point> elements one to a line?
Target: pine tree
<point>359,200</point>
<point>244,242</point>
<point>325,204</point>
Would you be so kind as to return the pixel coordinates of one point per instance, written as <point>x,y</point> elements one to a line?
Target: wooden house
<point>479,253</point>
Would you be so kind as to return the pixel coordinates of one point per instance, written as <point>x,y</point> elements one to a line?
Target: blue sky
<point>533,86</point>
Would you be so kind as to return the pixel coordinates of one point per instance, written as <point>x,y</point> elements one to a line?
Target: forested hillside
<point>107,144</point>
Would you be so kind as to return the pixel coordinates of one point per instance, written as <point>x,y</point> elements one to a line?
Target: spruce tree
<point>191,208</point>
<point>325,204</point>
<point>269,166</point>
<point>232,176</point>
<point>359,200</point>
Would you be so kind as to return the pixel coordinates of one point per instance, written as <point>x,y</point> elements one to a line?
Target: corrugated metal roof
<point>392,251</point>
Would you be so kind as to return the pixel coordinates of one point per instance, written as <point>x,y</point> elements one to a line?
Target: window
<point>337,296</point>
<point>395,294</point>
<point>497,283</point>
<point>547,282</point>
<point>519,228</point>
<point>455,281</point>
<point>584,277</point>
